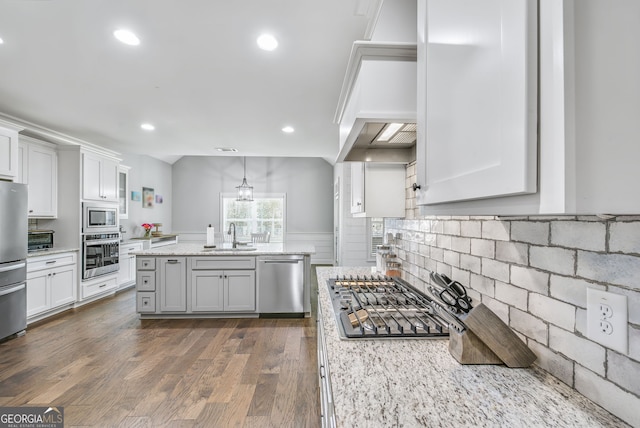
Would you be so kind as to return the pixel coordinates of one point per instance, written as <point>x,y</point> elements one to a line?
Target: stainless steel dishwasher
<point>281,284</point>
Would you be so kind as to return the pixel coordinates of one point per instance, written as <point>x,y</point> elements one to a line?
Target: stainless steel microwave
<point>99,217</point>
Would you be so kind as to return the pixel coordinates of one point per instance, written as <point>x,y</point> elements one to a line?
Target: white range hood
<point>378,92</point>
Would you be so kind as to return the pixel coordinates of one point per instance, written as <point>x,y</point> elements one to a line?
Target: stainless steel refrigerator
<point>13,258</point>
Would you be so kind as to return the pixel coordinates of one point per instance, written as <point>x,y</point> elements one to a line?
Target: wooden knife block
<point>488,340</point>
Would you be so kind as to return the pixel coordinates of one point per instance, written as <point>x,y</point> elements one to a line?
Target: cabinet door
<point>37,299</point>
<point>109,180</point>
<point>123,191</point>
<point>173,284</point>
<point>357,187</point>
<point>8,153</point>
<point>63,286</point>
<point>42,177</point>
<point>207,291</point>
<point>240,291</point>
<point>91,176</point>
<point>477,99</point>
<point>124,273</point>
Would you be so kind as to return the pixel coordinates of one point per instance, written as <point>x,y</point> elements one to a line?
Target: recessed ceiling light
<point>226,149</point>
<point>127,37</point>
<point>288,129</point>
<point>267,42</point>
<point>147,127</point>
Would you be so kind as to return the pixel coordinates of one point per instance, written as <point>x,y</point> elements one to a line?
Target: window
<point>265,214</point>
<point>376,234</point>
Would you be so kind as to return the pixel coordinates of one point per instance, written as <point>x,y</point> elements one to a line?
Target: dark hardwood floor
<point>107,368</point>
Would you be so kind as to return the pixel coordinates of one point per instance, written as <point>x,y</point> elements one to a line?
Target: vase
<point>147,233</point>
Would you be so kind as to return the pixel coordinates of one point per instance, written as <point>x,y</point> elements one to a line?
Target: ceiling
<point>197,75</point>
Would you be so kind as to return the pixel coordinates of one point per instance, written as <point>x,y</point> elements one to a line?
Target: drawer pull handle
<point>50,262</point>
<point>102,286</point>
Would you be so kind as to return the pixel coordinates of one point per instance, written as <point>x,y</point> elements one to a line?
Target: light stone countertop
<point>52,251</point>
<point>198,249</point>
<point>417,383</point>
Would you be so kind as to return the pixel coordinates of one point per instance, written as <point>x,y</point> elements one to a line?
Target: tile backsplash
<point>533,272</point>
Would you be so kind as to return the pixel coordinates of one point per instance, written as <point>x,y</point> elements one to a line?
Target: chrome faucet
<point>234,242</point>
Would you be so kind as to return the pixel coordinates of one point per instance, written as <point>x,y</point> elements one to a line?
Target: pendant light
<point>245,192</point>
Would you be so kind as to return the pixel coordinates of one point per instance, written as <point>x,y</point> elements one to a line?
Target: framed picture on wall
<point>147,197</point>
<point>136,196</point>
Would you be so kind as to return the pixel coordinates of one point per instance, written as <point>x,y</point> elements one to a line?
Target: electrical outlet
<point>607,319</point>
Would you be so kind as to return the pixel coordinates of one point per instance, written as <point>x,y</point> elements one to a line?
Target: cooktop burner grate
<point>383,307</point>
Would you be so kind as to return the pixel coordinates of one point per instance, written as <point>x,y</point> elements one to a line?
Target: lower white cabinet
<point>127,261</point>
<point>173,284</point>
<point>223,291</point>
<point>51,284</point>
<point>99,285</point>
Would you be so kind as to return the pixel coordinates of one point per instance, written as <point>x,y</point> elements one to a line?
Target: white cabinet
<point>98,286</point>
<point>8,153</point>
<point>123,191</point>
<point>223,291</point>
<point>127,261</point>
<point>51,284</point>
<point>173,284</point>
<point>99,178</point>
<point>377,189</point>
<point>39,169</point>
<point>477,99</point>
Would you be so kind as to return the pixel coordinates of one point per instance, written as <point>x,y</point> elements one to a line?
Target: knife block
<point>488,340</point>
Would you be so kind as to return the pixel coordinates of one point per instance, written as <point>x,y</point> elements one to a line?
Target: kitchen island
<point>189,280</point>
<point>417,383</point>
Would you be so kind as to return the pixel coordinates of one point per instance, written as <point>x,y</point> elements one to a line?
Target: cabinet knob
<point>30,211</point>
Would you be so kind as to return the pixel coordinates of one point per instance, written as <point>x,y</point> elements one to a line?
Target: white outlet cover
<point>618,338</point>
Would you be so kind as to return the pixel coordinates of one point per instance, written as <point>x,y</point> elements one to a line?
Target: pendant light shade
<point>245,192</point>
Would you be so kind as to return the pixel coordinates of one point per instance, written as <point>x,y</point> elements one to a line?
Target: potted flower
<point>147,229</point>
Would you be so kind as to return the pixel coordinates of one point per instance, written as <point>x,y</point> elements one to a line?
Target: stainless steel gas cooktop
<point>375,307</point>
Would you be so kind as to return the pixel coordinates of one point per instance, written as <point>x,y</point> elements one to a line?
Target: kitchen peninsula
<point>416,382</point>
<point>187,280</point>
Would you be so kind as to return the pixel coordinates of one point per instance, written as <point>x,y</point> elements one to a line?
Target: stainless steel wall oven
<point>100,254</point>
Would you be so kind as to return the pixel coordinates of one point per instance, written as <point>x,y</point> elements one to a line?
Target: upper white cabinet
<point>477,99</point>
<point>589,102</point>
<point>123,191</point>
<point>8,152</point>
<point>377,189</point>
<point>39,169</point>
<point>99,178</point>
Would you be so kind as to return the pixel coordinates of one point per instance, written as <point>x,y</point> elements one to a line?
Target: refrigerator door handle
<point>13,267</point>
<point>13,289</point>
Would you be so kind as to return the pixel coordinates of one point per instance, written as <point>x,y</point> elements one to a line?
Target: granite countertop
<point>198,249</point>
<point>417,383</point>
<point>51,251</point>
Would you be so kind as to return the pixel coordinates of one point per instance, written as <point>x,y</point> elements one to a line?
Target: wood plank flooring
<point>107,368</point>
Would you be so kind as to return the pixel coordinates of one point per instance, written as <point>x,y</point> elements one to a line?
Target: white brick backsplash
<point>497,230</point>
<point>608,395</point>
<point>430,264</point>
<point>530,279</point>
<point>512,252</point>
<point>581,322</point>
<point>623,371</point>
<point>624,237</point>
<point>452,258</point>
<point>424,225</point>
<point>452,227</point>
<point>461,276</point>
<point>579,234</point>
<point>498,308</point>
<point>634,343</point>
<point>495,269</point>
<point>471,263</point>
<point>461,245</point>
<point>437,226</point>
<point>482,284</point>
<point>483,248</point>
<point>528,325</point>
<point>437,254</point>
<point>471,229</point>
<point>553,311</point>
<point>571,290</point>
<point>430,239</point>
<point>511,295</point>
<point>444,241</point>
<point>617,269</point>
<point>530,231</point>
<point>633,302</point>
<point>583,351</point>
<point>556,364</point>
<point>556,260</point>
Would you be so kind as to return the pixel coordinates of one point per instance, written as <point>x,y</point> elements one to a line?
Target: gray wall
<point>148,172</point>
<point>199,180</point>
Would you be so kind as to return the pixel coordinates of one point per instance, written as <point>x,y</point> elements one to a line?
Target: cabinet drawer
<point>146,302</point>
<point>146,281</point>
<point>125,249</point>
<point>98,287</point>
<point>222,262</point>
<point>146,263</point>
<point>48,262</point>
